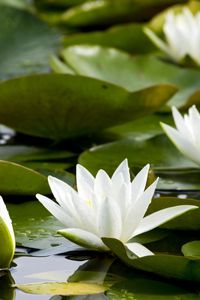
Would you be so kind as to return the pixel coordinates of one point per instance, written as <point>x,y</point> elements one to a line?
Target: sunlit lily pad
<point>25,43</point>
<point>136,72</point>
<point>61,288</point>
<point>64,106</point>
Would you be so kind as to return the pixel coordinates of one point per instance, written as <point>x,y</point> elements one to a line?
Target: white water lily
<point>7,237</point>
<point>107,207</point>
<point>186,136</point>
<point>182,33</point>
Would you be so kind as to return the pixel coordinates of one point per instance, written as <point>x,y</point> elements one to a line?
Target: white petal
<point>124,169</point>
<point>137,250</point>
<point>85,182</point>
<point>109,219</point>
<point>56,210</point>
<point>102,184</point>
<point>139,183</point>
<point>63,193</point>
<point>180,123</point>
<point>83,238</point>
<point>157,41</point>
<point>6,218</point>
<point>185,146</point>
<point>162,216</point>
<point>137,212</point>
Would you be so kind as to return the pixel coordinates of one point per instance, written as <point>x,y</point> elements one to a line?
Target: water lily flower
<point>186,136</point>
<point>7,237</point>
<point>182,33</point>
<point>107,207</point>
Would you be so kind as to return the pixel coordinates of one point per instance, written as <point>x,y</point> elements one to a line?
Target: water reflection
<point>122,282</point>
<point>6,290</point>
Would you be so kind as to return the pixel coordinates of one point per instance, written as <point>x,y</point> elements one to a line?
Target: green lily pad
<point>61,288</point>
<point>146,127</point>
<point>25,43</point>
<point>106,12</point>
<point>170,266</point>
<point>136,72</point>
<point>16,179</point>
<point>158,151</point>
<point>36,228</point>
<point>127,37</point>
<point>148,289</point>
<point>22,153</point>
<point>191,249</point>
<point>64,106</point>
<point>174,170</point>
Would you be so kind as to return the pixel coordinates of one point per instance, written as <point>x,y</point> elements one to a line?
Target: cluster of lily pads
<point>87,87</point>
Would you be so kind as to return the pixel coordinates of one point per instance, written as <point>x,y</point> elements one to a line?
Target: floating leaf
<point>136,72</point>
<point>127,37</point>
<point>36,228</point>
<point>25,43</point>
<point>148,289</point>
<point>61,288</point>
<point>106,12</point>
<point>162,264</point>
<point>16,179</point>
<point>138,152</point>
<point>63,106</point>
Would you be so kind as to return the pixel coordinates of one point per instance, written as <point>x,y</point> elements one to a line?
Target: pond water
<point>125,283</point>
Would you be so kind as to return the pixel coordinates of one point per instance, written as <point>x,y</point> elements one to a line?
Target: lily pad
<point>64,106</point>
<point>16,179</point>
<point>170,266</point>
<point>61,288</point>
<point>148,289</point>
<point>127,37</point>
<point>136,72</point>
<point>25,43</point>
<point>106,12</point>
<point>158,151</point>
<point>36,228</point>
<point>174,170</point>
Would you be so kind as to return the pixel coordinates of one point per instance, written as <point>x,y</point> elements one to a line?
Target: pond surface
<point>125,284</point>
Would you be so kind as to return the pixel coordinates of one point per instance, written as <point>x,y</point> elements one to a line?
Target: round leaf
<point>65,106</point>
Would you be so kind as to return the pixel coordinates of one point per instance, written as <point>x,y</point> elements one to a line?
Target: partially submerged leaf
<point>61,288</point>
